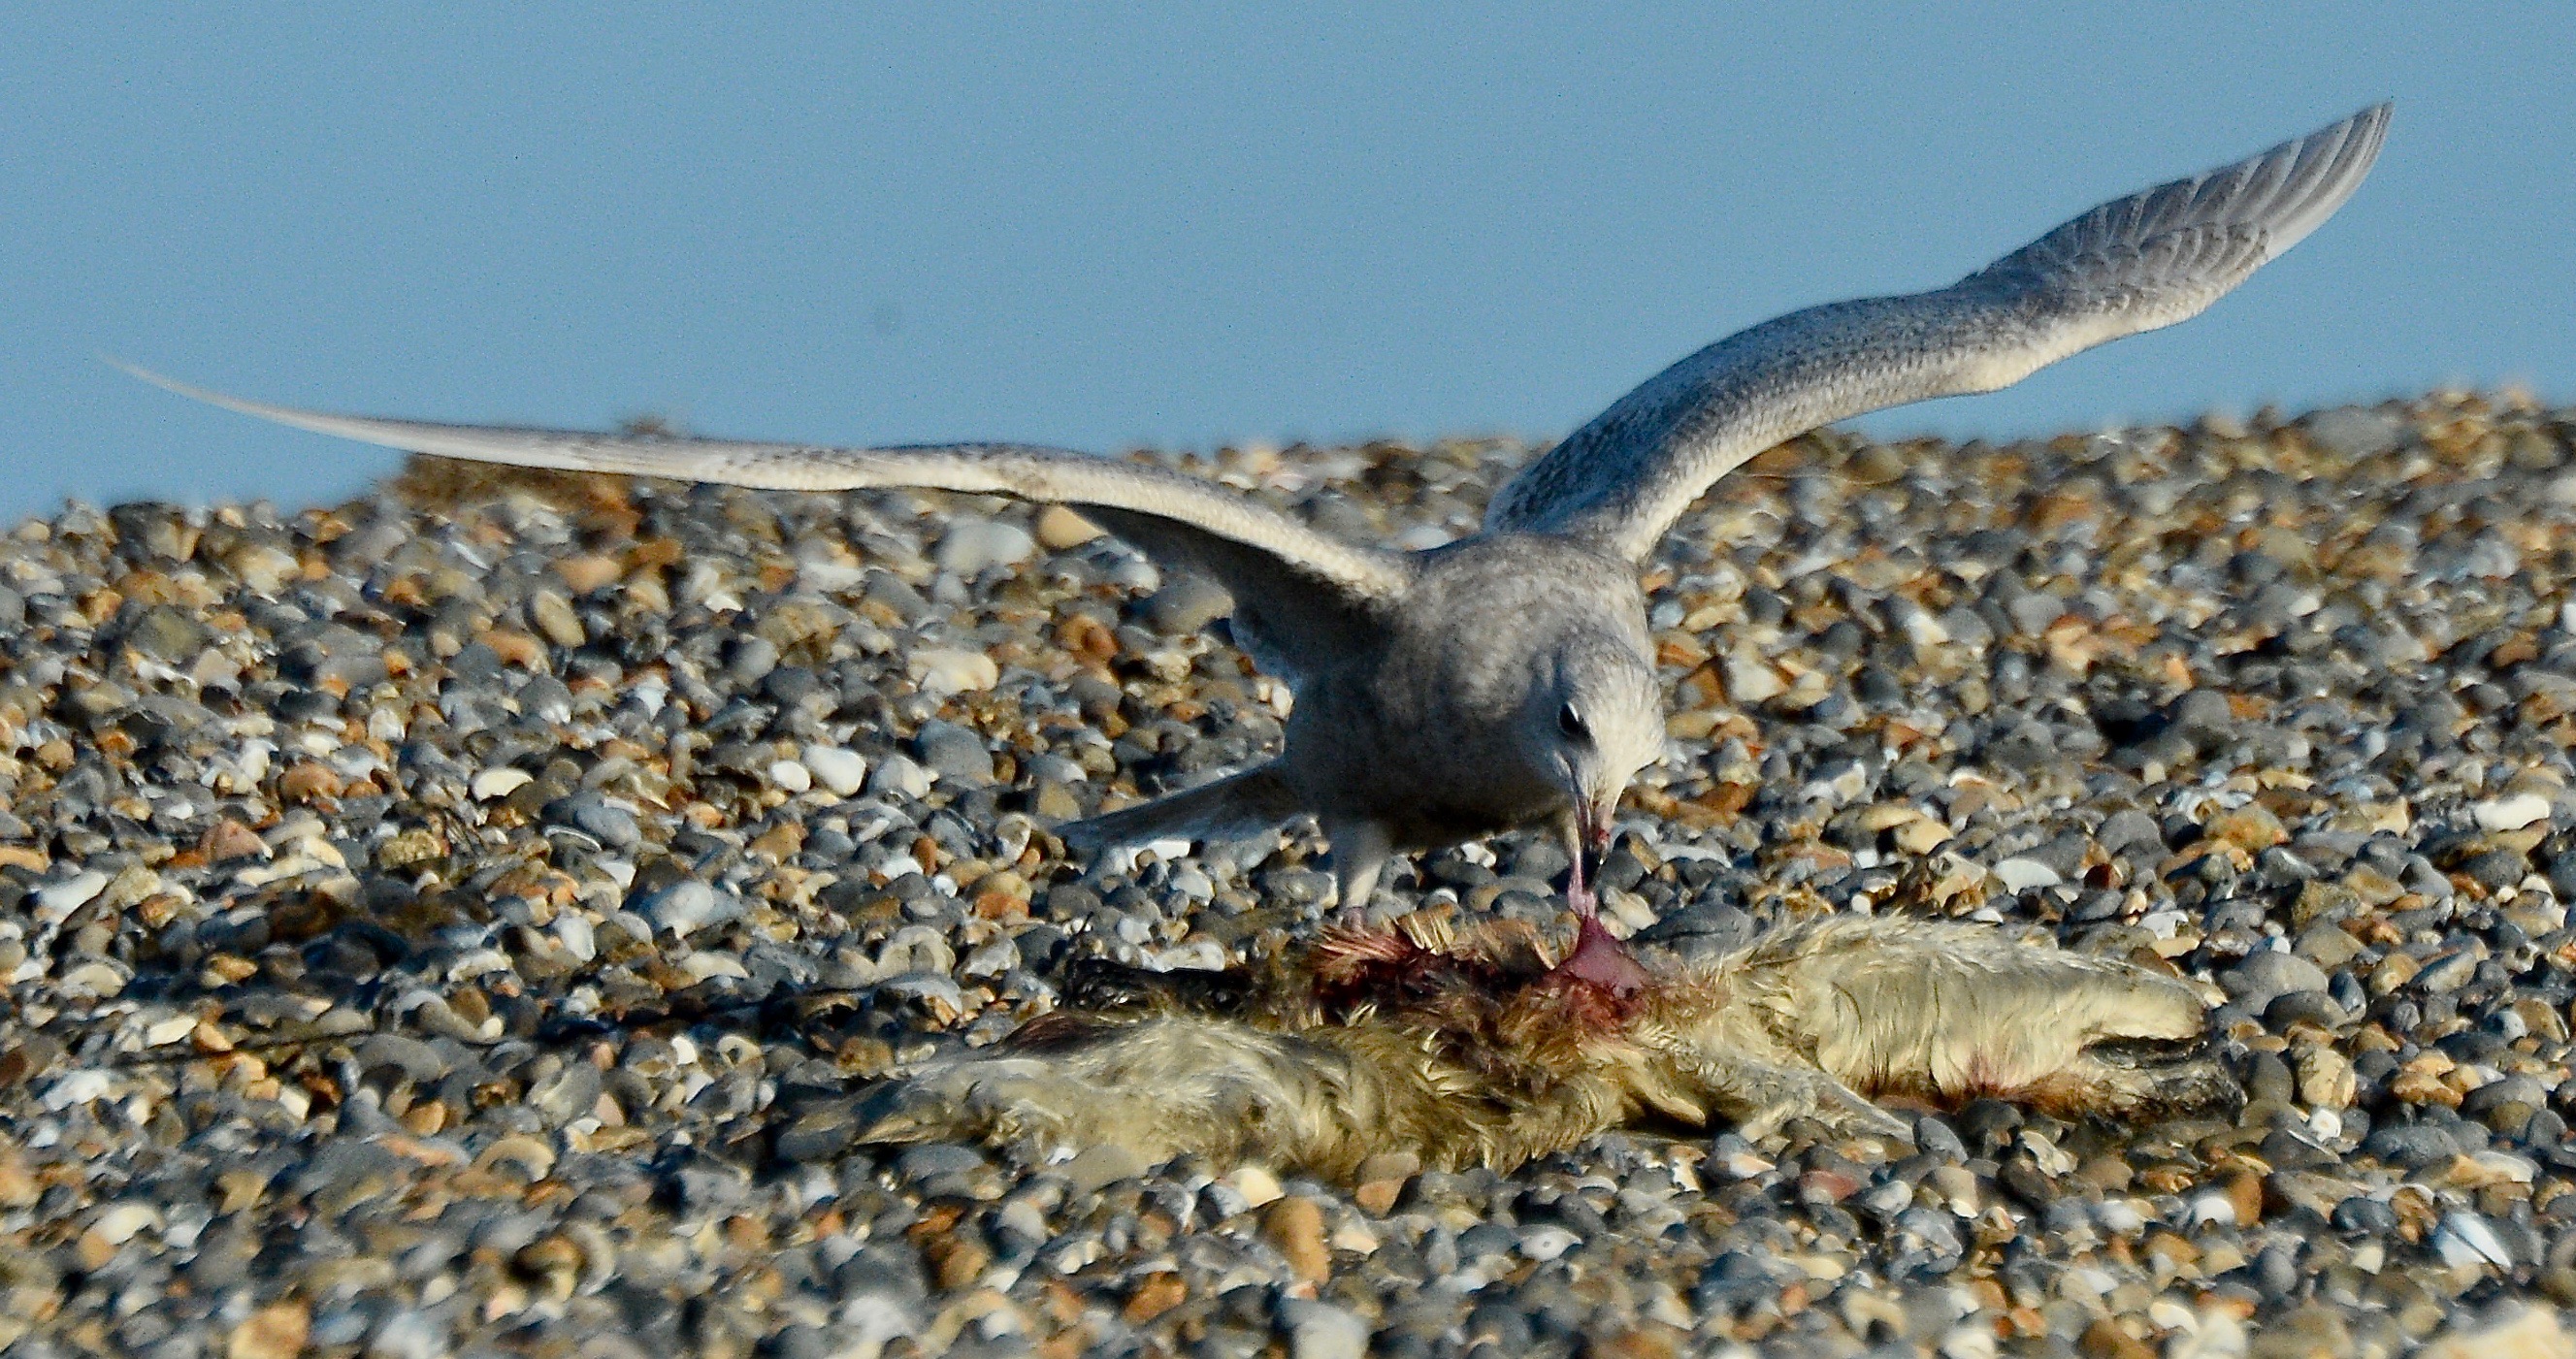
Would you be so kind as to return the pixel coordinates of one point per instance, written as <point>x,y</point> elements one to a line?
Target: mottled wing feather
<point>2133,265</point>
<point>1316,594</point>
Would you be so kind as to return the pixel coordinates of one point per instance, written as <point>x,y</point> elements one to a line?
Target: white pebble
<point>2466,1239</point>
<point>1751,680</point>
<point>1922,629</point>
<point>119,1224</point>
<point>941,671</point>
<point>91,981</point>
<point>76,1087</point>
<point>264,568</point>
<point>687,906</point>
<point>2511,813</point>
<point>572,930</point>
<point>2020,875</point>
<point>790,775</point>
<point>700,966</point>
<point>973,545</point>
<point>1547,1243</point>
<point>900,777</point>
<point>838,768</point>
<point>1136,575</point>
<point>1256,1185</point>
<point>1319,1330</point>
<point>57,900</point>
<point>825,576</point>
<point>500,783</point>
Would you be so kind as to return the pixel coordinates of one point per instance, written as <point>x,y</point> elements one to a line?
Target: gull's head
<point>1595,716</point>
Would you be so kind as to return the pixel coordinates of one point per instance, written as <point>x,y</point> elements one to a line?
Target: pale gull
<point>1508,678</point>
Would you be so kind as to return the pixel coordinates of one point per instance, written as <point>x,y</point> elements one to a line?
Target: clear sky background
<point>1108,226</point>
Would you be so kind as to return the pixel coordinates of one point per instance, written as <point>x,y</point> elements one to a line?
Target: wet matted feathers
<point>1509,679</point>
<point>1475,1050</point>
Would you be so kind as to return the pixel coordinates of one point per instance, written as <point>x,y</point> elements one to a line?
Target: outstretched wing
<point>2127,266</point>
<point>1305,596</point>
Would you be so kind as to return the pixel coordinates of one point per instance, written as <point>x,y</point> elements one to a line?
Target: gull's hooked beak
<point>1591,845</point>
<point>1598,956</point>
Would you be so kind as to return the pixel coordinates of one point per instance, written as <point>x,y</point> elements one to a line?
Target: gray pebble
<point>590,813</point>
<point>1185,605</point>
<point>2353,431</point>
<point>956,755</point>
<point>687,906</point>
<point>937,1158</point>
<point>2269,973</point>
<point>897,776</point>
<point>2410,1145</point>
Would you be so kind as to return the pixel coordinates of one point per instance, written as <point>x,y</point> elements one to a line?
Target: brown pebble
<point>2310,1332</point>
<point>277,1331</point>
<point>2251,827</point>
<point>779,842</point>
<point>589,572</point>
<point>2109,1174</point>
<point>241,1189</point>
<point>515,648</point>
<point>1059,528</point>
<point>556,1261</point>
<point>957,1262</point>
<point>1159,1292</point>
<point>2244,1191</point>
<point>1381,1180</point>
<point>2509,1332</point>
<point>553,615</point>
<point>2326,1079</point>
<point>93,1251</point>
<point>1055,802</point>
<point>1002,896</point>
<point>225,969</point>
<point>1827,1186</point>
<point>2172,1247</point>
<point>1296,1227</point>
<point>306,780</point>
<point>2105,1340</point>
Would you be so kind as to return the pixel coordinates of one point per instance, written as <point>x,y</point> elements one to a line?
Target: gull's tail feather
<point>1258,799</point>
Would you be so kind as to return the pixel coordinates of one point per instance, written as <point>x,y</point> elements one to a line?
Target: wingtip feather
<point>2335,160</point>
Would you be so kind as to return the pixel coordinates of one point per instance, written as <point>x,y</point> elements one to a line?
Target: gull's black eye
<point>1571,723</point>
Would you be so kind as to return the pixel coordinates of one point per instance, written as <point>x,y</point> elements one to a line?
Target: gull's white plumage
<point>1508,678</point>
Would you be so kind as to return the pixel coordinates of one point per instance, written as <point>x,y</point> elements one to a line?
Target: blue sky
<point>1113,226</point>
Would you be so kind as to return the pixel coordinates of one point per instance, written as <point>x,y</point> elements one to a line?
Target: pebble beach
<point>465,920</point>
